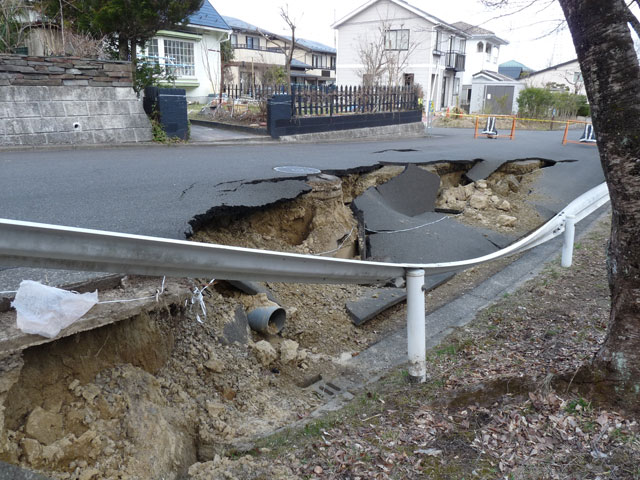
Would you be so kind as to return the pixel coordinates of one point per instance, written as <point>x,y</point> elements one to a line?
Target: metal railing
<point>27,244</point>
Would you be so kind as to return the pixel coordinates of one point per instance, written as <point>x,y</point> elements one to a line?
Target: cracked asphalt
<point>159,190</point>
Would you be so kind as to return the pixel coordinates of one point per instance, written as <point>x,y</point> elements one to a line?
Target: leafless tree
<point>284,13</point>
<point>383,63</point>
<point>212,73</point>
<point>287,48</point>
<point>373,59</point>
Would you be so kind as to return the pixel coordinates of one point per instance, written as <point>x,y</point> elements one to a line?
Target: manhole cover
<point>297,170</point>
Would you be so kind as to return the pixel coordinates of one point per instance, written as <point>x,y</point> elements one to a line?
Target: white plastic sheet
<point>47,310</point>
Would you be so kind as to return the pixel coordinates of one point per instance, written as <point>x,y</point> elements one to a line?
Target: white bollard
<point>569,236</point>
<point>416,340</point>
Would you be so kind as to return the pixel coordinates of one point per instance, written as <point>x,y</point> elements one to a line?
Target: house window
<point>253,43</point>
<point>234,39</point>
<point>396,39</point>
<point>333,63</point>
<point>153,54</point>
<point>179,58</point>
<point>463,45</point>
<point>319,61</point>
<point>480,47</point>
<point>577,77</point>
<point>488,49</point>
<point>438,40</point>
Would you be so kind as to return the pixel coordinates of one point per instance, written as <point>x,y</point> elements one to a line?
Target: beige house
<point>565,76</point>
<point>391,42</point>
<point>257,52</point>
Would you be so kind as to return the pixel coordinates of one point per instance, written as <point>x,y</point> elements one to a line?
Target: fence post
<point>566,132</point>
<point>569,237</point>
<point>416,339</point>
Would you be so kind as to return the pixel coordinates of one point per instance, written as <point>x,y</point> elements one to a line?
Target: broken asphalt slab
<point>426,238</point>
<point>376,301</point>
<point>412,192</point>
<point>11,472</point>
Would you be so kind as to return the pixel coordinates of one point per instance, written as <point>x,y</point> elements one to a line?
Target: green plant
<point>534,102</point>
<point>275,75</point>
<point>577,405</point>
<point>157,132</point>
<point>151,75</point>
<point>448,350</point>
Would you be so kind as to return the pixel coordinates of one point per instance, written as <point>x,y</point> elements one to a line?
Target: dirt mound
<point>317,223</point>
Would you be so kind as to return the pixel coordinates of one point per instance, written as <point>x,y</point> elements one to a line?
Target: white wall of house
<point>427,70</point>
<point>195,58</point>
<point>566,74</point>
<point>483,53</point>
<point>480,60</point>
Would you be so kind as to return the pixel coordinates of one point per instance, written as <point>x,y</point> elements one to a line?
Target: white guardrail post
<point>569,237</point>
<point>416,335</point>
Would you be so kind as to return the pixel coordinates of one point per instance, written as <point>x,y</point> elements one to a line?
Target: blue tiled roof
<point>207,16</point>
<point>237,24</point>
<point>298,64</point>
<point>311,45</point>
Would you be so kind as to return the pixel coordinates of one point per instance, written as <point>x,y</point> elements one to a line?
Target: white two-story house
<point>391,42</point>
<point>483,52</point>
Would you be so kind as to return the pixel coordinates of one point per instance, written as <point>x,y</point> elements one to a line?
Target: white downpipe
<point>416,339</point>
<point>569,236</point>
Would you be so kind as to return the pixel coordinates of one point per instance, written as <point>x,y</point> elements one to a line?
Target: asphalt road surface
<point>158,190</point>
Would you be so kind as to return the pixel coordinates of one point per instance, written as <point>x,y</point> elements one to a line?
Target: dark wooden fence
<point>310,100</point>
<point>253,92</point>
<point>343,100</point>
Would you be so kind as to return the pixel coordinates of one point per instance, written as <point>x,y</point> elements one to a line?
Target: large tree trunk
<point>612,79</point>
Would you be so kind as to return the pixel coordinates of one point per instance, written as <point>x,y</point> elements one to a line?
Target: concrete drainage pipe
<point>267,319</point>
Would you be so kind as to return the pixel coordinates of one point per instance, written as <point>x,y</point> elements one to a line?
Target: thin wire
<point>156,296</point>
<point>340,246</point>
<point>408,229</point>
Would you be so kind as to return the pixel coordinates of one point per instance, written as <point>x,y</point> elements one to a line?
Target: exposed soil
<point>490,408</point>
<point>151,396</point>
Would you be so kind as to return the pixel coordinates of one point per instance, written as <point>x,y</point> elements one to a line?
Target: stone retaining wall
<point>23,70</point>
<point>65,100</point>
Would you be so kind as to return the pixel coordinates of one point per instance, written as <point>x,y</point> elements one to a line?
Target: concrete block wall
<point>68,101</point>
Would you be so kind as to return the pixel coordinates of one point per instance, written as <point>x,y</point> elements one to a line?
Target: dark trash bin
<point>169,107</point>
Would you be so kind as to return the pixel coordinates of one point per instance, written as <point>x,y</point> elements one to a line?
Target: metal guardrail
<point>27,244</point>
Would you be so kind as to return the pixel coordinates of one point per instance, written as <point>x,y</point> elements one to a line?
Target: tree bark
<point>611,75</point>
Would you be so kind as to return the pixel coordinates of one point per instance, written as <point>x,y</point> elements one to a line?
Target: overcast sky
<point>523,30</point>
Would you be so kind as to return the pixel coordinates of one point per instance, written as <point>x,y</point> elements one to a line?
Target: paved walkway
<point>200,134</point>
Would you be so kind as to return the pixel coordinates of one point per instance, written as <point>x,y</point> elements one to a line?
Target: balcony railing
<point>244,46</point>
<point>455,61</point>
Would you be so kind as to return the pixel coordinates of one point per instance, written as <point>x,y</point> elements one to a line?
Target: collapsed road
<point>164,191</point>
<point>151,389</point>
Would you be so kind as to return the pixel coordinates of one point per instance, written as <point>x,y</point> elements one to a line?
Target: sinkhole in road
<point>323,222</point>
<point>159,393</point>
